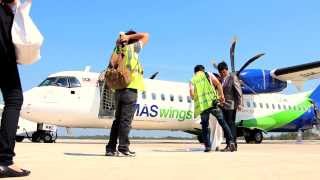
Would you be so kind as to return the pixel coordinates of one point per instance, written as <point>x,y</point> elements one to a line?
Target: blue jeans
<point>205,125</point>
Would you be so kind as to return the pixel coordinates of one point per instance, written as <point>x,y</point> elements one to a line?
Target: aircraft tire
<point>258,137</point>
<point>253,137</point>
<point>47,138</point>
<point>248,139</point>
<point>36,138</point>
<point>19,138</point>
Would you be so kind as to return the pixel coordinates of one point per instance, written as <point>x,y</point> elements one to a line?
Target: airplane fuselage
<point>164,105</point>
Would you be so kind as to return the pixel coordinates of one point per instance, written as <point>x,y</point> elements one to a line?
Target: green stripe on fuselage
<point>276,120</point>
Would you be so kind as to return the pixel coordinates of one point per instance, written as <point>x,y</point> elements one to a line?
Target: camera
<point>215,104</point>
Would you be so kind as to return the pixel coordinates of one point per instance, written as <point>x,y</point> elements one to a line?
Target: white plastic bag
<point>25,35</point>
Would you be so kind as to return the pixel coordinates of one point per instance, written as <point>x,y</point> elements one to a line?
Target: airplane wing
<point>298,74</point>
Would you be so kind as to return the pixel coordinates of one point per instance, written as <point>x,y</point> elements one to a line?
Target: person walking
<point>12,93</point>
<point>233,101</point>
<point>206,102</point>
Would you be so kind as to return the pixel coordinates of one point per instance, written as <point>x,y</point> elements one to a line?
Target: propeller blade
<point>232,49</point>
<point>154,75</point>
<point>215,65</point>
<point>249,62</point>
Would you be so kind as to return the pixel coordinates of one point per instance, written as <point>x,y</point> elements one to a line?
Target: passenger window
<point>284,107</point>
<point>154,96</point>
<point>279,106</point>
<point>62,82</point>
<point>261,105</point>
<point>189,100</point>
<point>144,95</point>
<point>48,82</point>
<point>180,99</point>
<point>163,97</point>
<point>254,104</point>
<point>248,104</point>
<point>74,82</point>
<point>171,98</point>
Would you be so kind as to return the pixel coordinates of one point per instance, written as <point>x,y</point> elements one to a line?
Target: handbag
<point>25,35</point>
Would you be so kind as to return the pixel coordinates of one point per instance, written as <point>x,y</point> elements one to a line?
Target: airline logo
<point>163,113</point>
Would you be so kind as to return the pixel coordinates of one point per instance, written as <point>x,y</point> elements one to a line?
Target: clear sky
<point>182,34</point>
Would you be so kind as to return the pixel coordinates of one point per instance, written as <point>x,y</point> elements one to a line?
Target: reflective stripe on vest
<point>204,93</point>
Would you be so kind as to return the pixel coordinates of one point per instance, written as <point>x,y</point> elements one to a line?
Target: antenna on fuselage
<point>87,69</point>
<point>153,76</point>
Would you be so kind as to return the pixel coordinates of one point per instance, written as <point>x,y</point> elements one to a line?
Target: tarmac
<point>169,160</point>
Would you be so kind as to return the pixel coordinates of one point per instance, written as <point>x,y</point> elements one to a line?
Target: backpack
<point>117,75</point>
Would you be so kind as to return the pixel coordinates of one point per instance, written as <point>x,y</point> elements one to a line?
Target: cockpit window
<point>62,82</point>
<point>49,82</point>
<point>74,82</point>
<point>67,82</point>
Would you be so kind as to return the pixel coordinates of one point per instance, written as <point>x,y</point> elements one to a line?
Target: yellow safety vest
<point>204,93</point>
<point>135,67</point>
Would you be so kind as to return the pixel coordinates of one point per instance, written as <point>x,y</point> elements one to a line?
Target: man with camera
<point>206,102</point>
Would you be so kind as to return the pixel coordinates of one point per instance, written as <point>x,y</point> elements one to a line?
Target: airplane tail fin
<point>315,95</point>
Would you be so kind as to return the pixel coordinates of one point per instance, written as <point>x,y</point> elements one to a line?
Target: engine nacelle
<point>260,81</point>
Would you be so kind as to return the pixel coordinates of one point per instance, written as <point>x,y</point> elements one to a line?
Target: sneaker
<point>111,153</point>
<point>127,153</point>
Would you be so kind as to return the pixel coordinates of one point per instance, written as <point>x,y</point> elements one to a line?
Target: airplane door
<point>107,102</point>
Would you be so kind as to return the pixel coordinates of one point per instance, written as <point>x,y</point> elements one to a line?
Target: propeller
<point>232,59</point>
<point>232,49</point>
<point>251,60</point>
<point>153,76</point>
<point>215,65</point>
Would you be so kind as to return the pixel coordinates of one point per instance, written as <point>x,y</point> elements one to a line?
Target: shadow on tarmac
<point>181,150</point>
<point>83,154</point>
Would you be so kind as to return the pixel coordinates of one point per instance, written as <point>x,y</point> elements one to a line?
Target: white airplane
<point>76,99</point>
